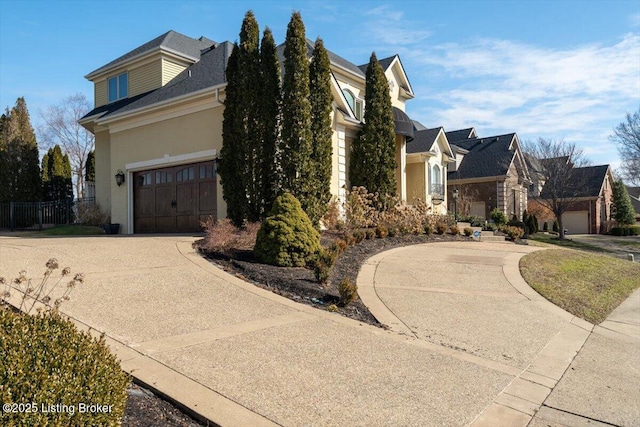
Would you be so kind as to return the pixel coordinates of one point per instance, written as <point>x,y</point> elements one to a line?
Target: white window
<point>118,87</point>
<point>356,105</point>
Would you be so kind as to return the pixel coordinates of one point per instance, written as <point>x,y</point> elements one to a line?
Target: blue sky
<point>555,69</point>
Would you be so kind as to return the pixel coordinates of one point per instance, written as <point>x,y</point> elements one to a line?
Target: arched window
<point>350,99</point>
<point>436,180</point>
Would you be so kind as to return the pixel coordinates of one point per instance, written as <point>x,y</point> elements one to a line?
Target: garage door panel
<point>174,199</point>
<point>576,222</point>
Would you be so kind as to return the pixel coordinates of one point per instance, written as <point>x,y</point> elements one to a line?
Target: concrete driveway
<point>469,341</point>
<point>618,246</point>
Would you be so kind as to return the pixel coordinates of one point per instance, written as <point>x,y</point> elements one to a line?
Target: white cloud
<point>635,20</point>
<point>389,27</point>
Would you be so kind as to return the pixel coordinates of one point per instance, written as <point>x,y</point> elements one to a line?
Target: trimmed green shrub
<point>381,231</point>
<point>428,229</point>
<point>556,226</point>
<point>393,231</point>
<point>348,292</point>
<point>468,231</point>
<point>287,237</point>
<point>45,360</point>
<point>498,217</point>
<point>370,233</point>
<point>545,227</point>
<point>632,230</point>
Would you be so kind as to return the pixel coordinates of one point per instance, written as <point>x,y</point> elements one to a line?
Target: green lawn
<point>567,243</point>
<point>630,243</point>
<point>587,285</point>
<point>72,230</point>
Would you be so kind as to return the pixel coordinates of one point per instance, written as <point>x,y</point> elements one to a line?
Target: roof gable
<point>586,181</point>
<point>486,157</point>
<point>206,73</point>
<point>461,134</point>
<point>393,62</point>
<point>170,41</point>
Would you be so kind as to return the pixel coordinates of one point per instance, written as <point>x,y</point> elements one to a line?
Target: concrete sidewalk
<point>478,345</point>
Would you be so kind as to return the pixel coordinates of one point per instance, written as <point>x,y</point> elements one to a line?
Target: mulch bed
<point>299,284</point>
<point>146,409</point>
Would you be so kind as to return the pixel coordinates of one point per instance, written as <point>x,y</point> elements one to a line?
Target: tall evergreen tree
<point>624,212</point>
<point>373,159</point>
<point>90,168</point>
<point>269,108</point>
<point>296,114</point>
<point>4,159</point>
<point>249,68</point>
<point>320,98</point>
<point>240,127</point>
<point>233,152</point>
<point>56,175</point>
<point>20,180</point>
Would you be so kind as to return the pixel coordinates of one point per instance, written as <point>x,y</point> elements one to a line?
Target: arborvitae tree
<point>321,150</point>
<point>233,152</point>
<point>21,175</point>
<point>269,108</point>
<point>373,159</point>
<point>56,175</point>
<point>4,159</point>
<point>90,168</point>
<point>296,115</point>
<point>239,169</point>
<point>249,69</point>
<point>624,212</point>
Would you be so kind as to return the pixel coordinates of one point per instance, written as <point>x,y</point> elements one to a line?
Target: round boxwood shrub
<point>45,360</point>
<point>286,237</point>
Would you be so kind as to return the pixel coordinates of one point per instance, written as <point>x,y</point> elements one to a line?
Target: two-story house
<point>491,172</point>
<point>157,123</point>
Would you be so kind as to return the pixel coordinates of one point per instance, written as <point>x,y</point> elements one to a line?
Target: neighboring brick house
<point>157,123</point>
<point>489,173</point>
<point>591,192</point>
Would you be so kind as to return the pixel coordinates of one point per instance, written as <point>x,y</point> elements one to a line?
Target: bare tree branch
<point>61,127</point>
<point>627,136</point>
<point>563,184</point>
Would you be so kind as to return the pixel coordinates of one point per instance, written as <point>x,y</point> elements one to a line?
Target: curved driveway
<point>464,351</point>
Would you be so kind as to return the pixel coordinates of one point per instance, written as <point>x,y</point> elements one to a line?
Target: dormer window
<point>357,105</point>
<point>118,87</point>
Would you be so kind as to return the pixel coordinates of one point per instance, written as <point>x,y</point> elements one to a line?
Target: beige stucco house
<point>158,120</point>
<point>428,158</point>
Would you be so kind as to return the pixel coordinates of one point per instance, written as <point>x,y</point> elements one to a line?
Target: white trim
<point>158,105</point>
<point>168,160</point>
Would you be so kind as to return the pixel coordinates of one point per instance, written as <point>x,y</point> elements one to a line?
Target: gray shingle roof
<point>423,140</point>
<point>585,182</point>
<point>208,72</point>
<point>461,134</point>
<point>487,157</point>
<point>384,63</point>
<point>333,59</point>
<point>169,40</point>
<point>634,193</point>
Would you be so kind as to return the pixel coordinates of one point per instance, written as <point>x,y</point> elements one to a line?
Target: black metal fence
<point>39,215</point>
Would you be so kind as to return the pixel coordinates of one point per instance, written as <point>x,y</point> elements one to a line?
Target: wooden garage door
<point>576,222</point>
<point>174,199</point>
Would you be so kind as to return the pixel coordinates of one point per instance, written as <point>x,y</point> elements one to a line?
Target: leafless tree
<point>564,183</point>
<point>61,127</point>
<point>627,136</point>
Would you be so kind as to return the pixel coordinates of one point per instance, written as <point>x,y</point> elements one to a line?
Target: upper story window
<point>118,87</point>
<point>357,105</point>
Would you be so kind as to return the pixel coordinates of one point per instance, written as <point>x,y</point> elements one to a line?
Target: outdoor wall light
<point>119,177</point>
<point>456,192</point>
<point>216,163</point>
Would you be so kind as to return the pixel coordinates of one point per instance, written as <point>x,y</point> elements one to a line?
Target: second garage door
<point>175,199</point>
<point>576,222</point>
